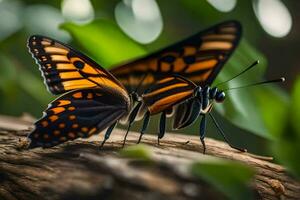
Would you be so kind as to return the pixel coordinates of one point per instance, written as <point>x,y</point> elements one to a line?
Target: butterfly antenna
<point>242,72</point>
<point>282,79</point>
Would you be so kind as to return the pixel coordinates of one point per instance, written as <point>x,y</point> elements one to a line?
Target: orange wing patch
<point>66,69</point>
<point>167,92</point>
<point>169,101</point>
<point>207,64</point>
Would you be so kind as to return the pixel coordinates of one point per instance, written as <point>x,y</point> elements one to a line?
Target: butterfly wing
<point>65,69</point>
<point>198,58</point>
<point>167,92</point>
<point>78,113</point>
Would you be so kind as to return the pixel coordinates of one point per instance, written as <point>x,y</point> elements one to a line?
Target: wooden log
<point>79,170</point>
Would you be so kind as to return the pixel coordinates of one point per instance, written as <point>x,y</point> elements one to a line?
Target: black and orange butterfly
<point>94,99</point>
<point>176,80</point>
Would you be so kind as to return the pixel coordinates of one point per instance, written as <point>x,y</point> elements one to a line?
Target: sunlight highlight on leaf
<point>44,20</point>
<point>274,17</point>
<point>106,43</point>
<point>139,19</point>
<point>223,5</point>
<point>79,11</point>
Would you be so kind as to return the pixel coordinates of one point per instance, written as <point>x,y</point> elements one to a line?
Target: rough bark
<point>79,170</point>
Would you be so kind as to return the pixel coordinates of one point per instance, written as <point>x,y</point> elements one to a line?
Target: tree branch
<point>78,169</point>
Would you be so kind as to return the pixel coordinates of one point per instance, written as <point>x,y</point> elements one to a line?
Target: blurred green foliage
<point>140,152</point>
<point>223,175</point>
<point>287,147</point>
<point>105,42</point>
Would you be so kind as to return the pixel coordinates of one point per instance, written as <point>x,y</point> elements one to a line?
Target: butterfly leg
<point>223,135</point>
<point>162,126</point>
<point>107,134</point>
<point>145,125</point>
<point>202,131</point>
<point>132,116</point>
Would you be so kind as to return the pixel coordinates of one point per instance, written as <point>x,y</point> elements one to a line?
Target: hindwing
<point>79,113</point>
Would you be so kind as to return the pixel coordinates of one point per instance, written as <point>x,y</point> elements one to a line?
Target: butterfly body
<point>199,105</point>
<point>183,96</point>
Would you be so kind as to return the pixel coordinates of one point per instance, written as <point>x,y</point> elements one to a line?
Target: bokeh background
<point>263,119</point>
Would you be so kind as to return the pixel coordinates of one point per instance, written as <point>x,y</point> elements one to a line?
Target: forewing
<point>79,113</point>
<point>167,92</point>
<point>198,58</point>
<point>65,69</point>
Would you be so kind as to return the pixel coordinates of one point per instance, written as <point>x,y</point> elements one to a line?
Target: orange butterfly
<point>176,80</point>
<point>93,99</point>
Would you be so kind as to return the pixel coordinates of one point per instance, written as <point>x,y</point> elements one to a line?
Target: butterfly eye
<point>220,97</point>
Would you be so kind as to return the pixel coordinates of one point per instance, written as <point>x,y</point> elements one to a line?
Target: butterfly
<point>92,98</point>
<point>176,80</point>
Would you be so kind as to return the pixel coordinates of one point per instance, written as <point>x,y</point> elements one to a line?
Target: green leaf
<point>20,90</point>
<point>273,104</point>
<point>287,151</point>
<point>27,81</point>
<point>295,107</point>
<point>230,178</point>
<point>34,86</point>
<point>105,42</point>
<point>287,148</point>
<point>140,152</point>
